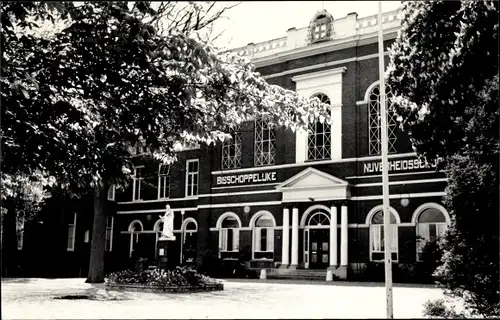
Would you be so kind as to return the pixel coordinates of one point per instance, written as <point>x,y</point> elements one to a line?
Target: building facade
<point>283,200</point>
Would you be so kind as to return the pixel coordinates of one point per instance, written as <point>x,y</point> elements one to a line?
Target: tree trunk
<point>96,266</point>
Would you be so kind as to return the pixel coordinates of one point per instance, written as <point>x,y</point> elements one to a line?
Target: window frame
<point>375,123</point>
<point>379,227</point>
<point>111,188</point>
<point>261,126</point>
<point>134,235</point>
<point>109,234</point>
<point>232,161</point>
<point>257,236</point>
<point>190,175</point>
<point>73,237</point>
<point>313,133</point>
<point>137,182</point>
<point>165,178</point>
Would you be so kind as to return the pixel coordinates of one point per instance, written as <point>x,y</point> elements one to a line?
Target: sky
<point>258,21</point>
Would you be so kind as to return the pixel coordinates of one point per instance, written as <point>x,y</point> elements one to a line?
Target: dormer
<point>320,27</point>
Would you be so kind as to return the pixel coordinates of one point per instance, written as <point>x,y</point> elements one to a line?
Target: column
<point>295,237</point>
<point>343,236</point>
<point>286,238</point>
<point>333,236</point>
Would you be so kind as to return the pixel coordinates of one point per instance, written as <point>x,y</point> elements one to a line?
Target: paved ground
<point>34,299</point>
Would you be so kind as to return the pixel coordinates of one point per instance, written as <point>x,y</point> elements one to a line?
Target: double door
<point>319,248</point>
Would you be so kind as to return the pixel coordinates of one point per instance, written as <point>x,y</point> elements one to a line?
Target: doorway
<point>319,248</point>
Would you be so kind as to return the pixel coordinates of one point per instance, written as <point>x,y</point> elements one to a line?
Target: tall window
<point>377,244</point>
<point>20,233</point>
<point>134,229</point>
<point>163,181</point>
<point>319,142</point>
<point>109,233</point>
<point>265,142</point>
<point>138,180</point>
<point>231,150</point>
<point>374,134</point>
<point>263,237</point>
<point>229,234</point>
<point>71,234</point>
<point>192,178</point>
<point>111,192</point>
<point>431,224</point>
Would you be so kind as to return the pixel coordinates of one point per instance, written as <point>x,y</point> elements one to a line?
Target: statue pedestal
<point>162,249</point>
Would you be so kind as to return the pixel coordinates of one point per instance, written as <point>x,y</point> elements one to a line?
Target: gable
<point>312,178</point>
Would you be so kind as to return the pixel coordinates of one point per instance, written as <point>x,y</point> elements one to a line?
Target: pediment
<point>311,178</point>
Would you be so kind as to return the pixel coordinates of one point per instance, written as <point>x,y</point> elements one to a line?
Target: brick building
<point>283,200</point>
<point>278,199</point>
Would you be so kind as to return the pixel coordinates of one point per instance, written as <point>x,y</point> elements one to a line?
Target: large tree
<point>444,75</point>
<point>110,80</point>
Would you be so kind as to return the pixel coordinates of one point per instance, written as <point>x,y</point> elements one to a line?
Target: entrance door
<point>319,249</point>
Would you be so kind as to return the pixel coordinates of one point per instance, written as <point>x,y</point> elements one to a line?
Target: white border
<point>197,178</point>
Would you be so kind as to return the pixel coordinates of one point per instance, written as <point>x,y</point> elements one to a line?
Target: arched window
<point>377,237</point>
<point>265,142</point>
<point>319,141</point>
<point>134,228</point>
<point>190,231</point>
<point>320,27</point>
<point>229,233</point>
<point>319,219</point>
<point>374,123</point>
<point>231,150</point>
<point>263,236</point>
<point>431,223</point>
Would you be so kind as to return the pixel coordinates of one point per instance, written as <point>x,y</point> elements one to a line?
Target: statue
<point>168,224</point>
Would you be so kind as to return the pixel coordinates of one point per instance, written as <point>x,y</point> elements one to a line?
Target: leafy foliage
<point>179,276</point>
<point>79,99</point>
<point>444,74</point>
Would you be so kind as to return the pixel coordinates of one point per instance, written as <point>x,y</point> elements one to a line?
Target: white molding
<point>391,183</point>
<point>166,200</point>
<point>301,52</point>
<point>241,204</point>
<point>302,223</point>
<point>390,175</point>
<point>224,216</point>
<point>134,222</point>
<point>72,248</point>
<point>400,196</point>
<point>155,210</point>
<point>366,98</point>
<point>156,226</point>
<point>311,170</point>
<point>378,208</point>
<point>246,186</point>
<point>309,163</point>
<point>406,224</point>
<point>188,161</point>
<point>319,74</point>
<point>324,65</point>
<point>239,193</point>
<point>258,214</point>
<point>186,221</point>
<point>428,205</point>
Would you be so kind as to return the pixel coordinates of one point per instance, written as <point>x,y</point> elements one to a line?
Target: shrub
<point>180,276</point>
<point>439,309</point>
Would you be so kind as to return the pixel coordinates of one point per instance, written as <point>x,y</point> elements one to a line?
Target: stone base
<point>160,289</point>
<point>293,267</point>
<point>283,266</point>
<point>340,272</point>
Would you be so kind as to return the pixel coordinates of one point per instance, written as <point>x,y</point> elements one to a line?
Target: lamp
<point>405,197</point>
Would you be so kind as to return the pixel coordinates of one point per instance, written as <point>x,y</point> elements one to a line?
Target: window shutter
<point>223,240</point>
<point>236,239</point>
<point>257,239</point>
<point>270,240</point>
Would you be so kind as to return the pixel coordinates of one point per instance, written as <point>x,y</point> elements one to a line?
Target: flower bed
<point>178,280</point>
